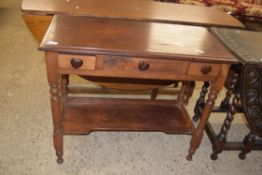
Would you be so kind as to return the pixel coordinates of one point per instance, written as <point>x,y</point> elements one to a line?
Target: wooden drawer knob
<point>206,69</point>
<point>143,65</point>
<point>76,63</point>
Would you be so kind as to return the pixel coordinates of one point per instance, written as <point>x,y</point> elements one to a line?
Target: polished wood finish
<point>53,80</point>
<point>130,50</point>
<point>83,115</point>
<point>39,13</point>
<point>38,25</point>
<point>133,10</point>
<point>77,62</point>
<point>135,39</point>
<point>129,67</point>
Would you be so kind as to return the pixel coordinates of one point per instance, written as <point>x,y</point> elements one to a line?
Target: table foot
<point>242,156</point>
<point>213,156</point>
<point>249,142</point>
<point>58,144</point>
<point>189,157</point>
<point>59,160</point>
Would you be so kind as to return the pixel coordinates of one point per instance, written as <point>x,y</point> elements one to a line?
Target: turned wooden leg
<point>232,86</point>
<point>249,142</point>
<point>53,80</point>
<point>181,95</point>
<point>189,91</point>
<point>185,92</point>
<point>198,133</point>
<point>154,93</point>
<point>200,102</point>
<point>221,138</point>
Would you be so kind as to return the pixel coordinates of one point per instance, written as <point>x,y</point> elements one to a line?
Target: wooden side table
<point>129,50</point>
<point>39,14</point>
<point>245,90</point>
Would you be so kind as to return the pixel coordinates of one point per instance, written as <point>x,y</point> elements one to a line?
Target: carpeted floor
<point>26,129</point>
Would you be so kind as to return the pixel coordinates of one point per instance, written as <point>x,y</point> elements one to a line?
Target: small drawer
<point>77,62</point>
<point>203,69</point>
<point>143,67</point>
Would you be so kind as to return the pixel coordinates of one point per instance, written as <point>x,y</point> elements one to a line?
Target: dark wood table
<point>244,88</point>
<point>39,13</point>
<point>130,50</point>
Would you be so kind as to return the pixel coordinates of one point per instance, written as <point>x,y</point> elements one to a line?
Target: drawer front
<point>203,69</point>
<point>142,67</point>
<point>77,62</point>
<point>133,67</point>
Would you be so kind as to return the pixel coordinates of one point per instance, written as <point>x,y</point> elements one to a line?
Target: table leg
<point>200,102</point>
<point>231,89</point>
<point>198,133</point>
<point>64,87</point>
<point>189,90</point>
<point>249,141</point>
<point>221,138</point>
<point>53,80</point>
<point>154,93</point>
<point>216,86</point>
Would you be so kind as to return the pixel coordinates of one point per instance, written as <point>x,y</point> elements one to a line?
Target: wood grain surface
<point>133,10</point>
<point>83,35</point>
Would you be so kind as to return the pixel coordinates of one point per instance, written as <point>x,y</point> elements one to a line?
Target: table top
<point>246,45</point>
<point>133,10</point>
<point>85,35</point>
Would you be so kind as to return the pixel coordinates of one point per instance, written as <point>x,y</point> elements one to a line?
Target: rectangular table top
<point>83,35</point>
<point>133,10</point>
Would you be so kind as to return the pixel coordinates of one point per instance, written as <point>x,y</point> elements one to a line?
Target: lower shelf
<point>83,115</point>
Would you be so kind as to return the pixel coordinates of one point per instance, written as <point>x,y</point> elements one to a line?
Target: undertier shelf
<point>83,115</point>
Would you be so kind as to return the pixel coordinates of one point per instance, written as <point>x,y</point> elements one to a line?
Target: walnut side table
<point>130,50</point>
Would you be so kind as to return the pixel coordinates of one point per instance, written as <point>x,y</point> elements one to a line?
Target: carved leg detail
<point>249,142</point>
<point>58,131</point>
<point>55,98</point>
<point>200,102</point>
<point>198,133</point>
<point>225,103</point>
<point>221,138</point>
